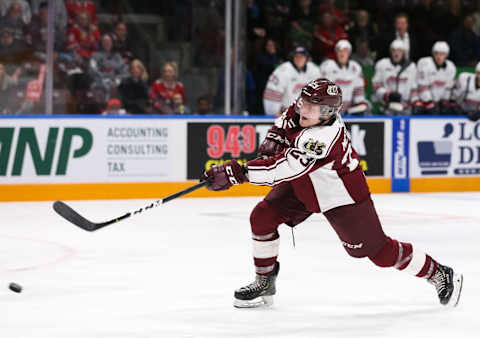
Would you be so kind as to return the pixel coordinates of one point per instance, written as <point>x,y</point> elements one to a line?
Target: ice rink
<point>171,272</point>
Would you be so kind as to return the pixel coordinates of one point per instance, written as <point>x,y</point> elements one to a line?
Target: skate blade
<point>457,290</point>
<point>263,301</point>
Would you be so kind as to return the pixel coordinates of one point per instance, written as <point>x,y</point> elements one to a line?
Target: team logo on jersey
<point>314,147</point>
<point>332,90</point>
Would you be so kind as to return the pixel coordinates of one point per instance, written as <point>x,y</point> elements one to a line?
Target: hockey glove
<point>223,176</point>
<point>449,107</point>
<point>430,108</point>
<point>274,142</point>
<point>418,108</point>
<point>393,97</point>
<point>474,115</point>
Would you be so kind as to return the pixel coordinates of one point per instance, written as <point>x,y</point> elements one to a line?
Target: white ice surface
<point>171,272</point>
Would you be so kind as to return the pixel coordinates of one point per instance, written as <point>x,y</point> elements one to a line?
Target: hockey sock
<point>404,257</point>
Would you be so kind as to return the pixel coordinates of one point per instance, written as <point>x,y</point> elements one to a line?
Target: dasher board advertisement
<point>216,142</point>
<point>67,150</point>
<point>444,147</point>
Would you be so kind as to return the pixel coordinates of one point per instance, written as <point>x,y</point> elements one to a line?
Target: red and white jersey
<point>285,84</point>
<point>385,80</point>
<point>161,91</point>
<point>75,6</point>
<point>435,83</point>
<point>348,78</point>
<point>466,92</point>
<point>320,164</point>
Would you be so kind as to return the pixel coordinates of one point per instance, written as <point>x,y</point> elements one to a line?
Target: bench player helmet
<point>320,97</point>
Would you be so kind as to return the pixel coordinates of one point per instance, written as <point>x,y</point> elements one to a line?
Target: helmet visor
<point>312,110</point>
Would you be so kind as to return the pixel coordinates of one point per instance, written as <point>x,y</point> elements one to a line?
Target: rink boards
<point>99,157</point>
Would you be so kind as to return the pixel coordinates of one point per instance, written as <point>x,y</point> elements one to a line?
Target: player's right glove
<point>474,115</point>
<point>392,97</point>
<point>274,142</point>
<point>223,176</point>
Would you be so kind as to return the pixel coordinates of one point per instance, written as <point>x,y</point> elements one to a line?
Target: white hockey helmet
<point>477,68</point>
<point>342,44</point>
<point>441,47</point>
<point>397,44</point>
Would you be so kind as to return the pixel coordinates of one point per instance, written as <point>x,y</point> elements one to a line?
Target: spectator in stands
<point>107,68</point>
<point>435,81</point>
<point>338,15</point>
<point>401,32</point>
<point>14,20</point>
<point>302,24</point>
<point>347,74</point>
<point>162,90</point>
<point>6,83</point>
<point>77,6</point>
<point>122,43</point>
<point>276,15</point>
<point>114,107</point>
<point>467,93</point>
<point>362,29</point>
<point>326,36</point>
<point>464,43</point>
<point>286,81</point>
<point>134,89</point>
<point>13,52</point>
<point>266,62</point>
<point>83,36</point>
<point>362,53</point>
<point>394,82</point>
<point>451,18</point>
<point>208,44</point>
<point>426,22</point>
<point>179,108</point>
<point>255,29</point>
<point>204,105</point>
<point>36,33</point>
<point>61,17</point>
<point>25,10</point>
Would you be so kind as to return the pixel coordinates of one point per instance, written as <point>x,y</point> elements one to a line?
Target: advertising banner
<point>88,150</point>
<point>368,140</point>
<point>215,142</point>
<point>444,148</point>
<point>400,158</point>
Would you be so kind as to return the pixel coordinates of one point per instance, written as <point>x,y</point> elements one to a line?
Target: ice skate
<point>448,285</point>
<point>258,293</point>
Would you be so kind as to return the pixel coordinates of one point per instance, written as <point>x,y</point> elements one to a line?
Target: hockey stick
<point>74,217</point>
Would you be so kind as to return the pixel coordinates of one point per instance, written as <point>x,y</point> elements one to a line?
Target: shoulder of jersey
<point>355,66</point>
<point>450,65</point>
<point>284,67</point>
<point>425,61</point>
<point>383,62</point>
<point>316,142</point>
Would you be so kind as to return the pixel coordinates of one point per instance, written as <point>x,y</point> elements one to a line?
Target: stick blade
<point>73,217</point>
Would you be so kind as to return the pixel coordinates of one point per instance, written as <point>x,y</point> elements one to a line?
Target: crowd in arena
<point>412,47</point>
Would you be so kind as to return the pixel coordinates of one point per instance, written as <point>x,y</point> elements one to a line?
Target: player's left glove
<point>223,176</point>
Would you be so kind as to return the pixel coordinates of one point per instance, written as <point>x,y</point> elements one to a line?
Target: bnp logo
<point>42,159</point>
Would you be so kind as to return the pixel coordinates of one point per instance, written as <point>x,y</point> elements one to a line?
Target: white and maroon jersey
<point>466,92</point>
<point>386,79</point>
<point>285,84</point>
<point>320,164</point>
<point>349,79</point>
<point>435,83</point>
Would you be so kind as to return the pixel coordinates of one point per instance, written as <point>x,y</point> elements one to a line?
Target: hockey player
<point>394,82</point>
<point>435,81</point>
<point>347,74</point>
<point>309,161</point>
<point>467,93</point>
<point>286,81</point>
